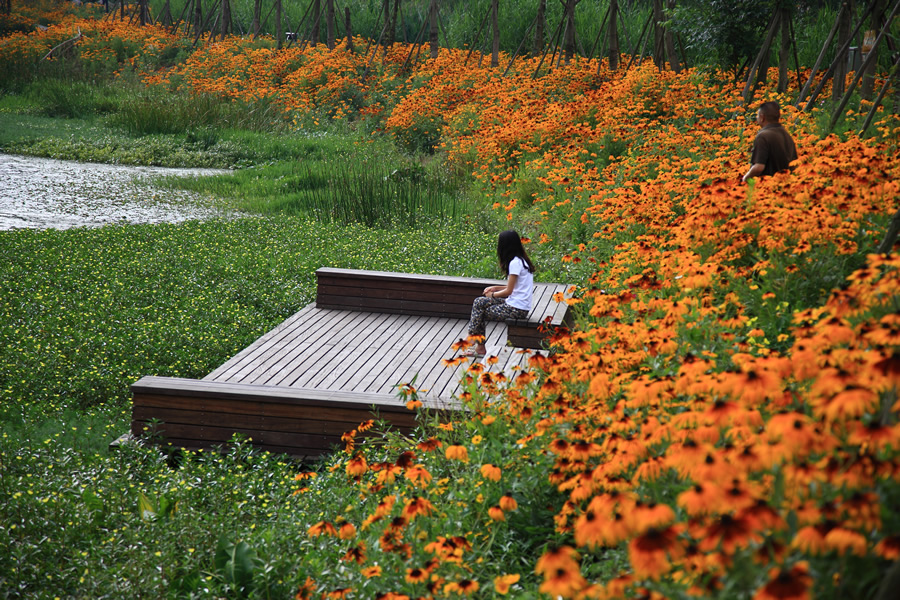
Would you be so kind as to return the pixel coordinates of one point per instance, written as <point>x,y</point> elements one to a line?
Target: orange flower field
<point>721,422</point>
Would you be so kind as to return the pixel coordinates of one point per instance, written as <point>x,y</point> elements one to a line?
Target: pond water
<point>43,193</point>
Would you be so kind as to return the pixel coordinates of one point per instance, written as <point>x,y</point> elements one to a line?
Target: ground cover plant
<point>722,422</point>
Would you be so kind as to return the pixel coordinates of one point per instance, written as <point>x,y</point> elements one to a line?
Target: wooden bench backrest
<point>398,293</point>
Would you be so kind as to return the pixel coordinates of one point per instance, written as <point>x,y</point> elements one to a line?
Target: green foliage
<point>722,32</point>
<point>71,99</point>
<point>169,300</point>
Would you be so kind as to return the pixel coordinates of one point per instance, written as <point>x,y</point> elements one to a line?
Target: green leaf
<point>146,508</point>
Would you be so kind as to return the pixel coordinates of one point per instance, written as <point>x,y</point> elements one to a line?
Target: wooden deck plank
<point>495,335</point>
<point>410,357</point>
<point>279,333</point>
<point>272,364</point>
<point>427,368</point>
<point>351,380</point>
<point>330,351</point>
<point>352,359</point>
<point>270,349</point>
<point>381,369</point>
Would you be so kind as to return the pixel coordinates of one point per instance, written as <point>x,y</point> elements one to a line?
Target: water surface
<point>42,193</point>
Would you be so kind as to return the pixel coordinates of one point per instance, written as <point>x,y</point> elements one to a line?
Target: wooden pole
<point>844,38</point>
<point>316,15</point>
<point>265,21</point>
<point>329,24</point>
<point>553,43</point>
<point>869,59</point>
<point>842,52</point>
<point>538,45</point>
<point>347,29</point>
<point>613,35</point>
<point>640,40</point>
<point>821,56</point>
<point>784,53</point>
<point>495,29</point>
<point>896,80</point>
<point>569,37</point>
<point>763,55</point>
<point>484,21</point>
<point>600,31</point>
<point>868,82</point>
<point>278,25</point>
<point>254,25</point>
<point>225,18</point>
<point>433,29</point>
<point>184,10</point>
<point>519,48</point>
<point>198,19</point>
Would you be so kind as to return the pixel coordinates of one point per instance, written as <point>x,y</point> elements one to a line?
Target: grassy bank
<point>169,300</point>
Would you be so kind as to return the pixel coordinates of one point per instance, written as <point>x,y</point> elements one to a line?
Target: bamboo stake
<point>840,56</point>
<point>638,45</point>
<point>862,70</point>
<point>763,51</point>
<point>522,43</point>
<point>599,32</point>
<point>818,63</point>
<point>884,89</point>
<point>487,15</point>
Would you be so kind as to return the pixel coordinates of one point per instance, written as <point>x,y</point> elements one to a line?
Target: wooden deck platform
<point>320,373</point>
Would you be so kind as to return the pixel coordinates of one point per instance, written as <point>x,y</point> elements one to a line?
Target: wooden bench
<point>334,363</point>
<point>301,422</point>
<point>437,296</point>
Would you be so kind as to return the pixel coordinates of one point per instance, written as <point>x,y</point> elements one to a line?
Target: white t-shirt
<point>521,294</point>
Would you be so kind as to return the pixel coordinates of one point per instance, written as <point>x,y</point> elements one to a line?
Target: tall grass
<point>370,192</point>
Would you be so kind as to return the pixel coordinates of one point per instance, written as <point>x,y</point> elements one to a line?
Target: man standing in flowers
<point>773,147</point>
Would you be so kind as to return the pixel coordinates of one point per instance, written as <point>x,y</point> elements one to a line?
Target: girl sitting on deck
<point>503,302</point>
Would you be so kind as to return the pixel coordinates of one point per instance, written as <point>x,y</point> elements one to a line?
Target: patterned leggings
<point>492,309</point>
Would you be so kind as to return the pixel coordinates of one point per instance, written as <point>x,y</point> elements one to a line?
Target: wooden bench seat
<point>436,296</point>
<point>334,363</point>
<point>301,422</point>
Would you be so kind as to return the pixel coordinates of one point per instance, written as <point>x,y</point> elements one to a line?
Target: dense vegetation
<point>722,422</point>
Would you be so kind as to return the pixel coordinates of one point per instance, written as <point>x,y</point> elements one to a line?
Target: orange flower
<point>357,466</point>
<point>728,532</point>
<point>846,541</point>
<point>651,551</point>
<point>502,583</point>
<point>429,445</point>
<point>563,558</point>
<point>889,547</point>
<point>508,503</point>
<point>649,516</point>
<point>700,498</point>
<point>465,587</point>
<point>370,572</point>
<point>416,575</point>
<point>489,471</point>
<point>347,531</point>
<point>786,584</point>
<point>496,513</point>
<point>419,476</point>
<point>457,453</point>
<point>417,506</point>
<point>322,527</point>
<point>356,554</point>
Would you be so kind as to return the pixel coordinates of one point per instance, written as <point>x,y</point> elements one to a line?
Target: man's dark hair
<point>771,111</point>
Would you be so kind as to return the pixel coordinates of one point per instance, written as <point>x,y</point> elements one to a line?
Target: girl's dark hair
<point>509,246</point>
